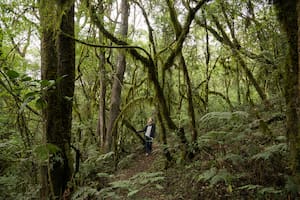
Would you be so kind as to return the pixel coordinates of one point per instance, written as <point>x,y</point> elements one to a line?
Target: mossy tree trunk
<point>118,78</point>
<point>287,15</point>
<point>57,63</point>
<point>101,126</point>
<point>1,41</point>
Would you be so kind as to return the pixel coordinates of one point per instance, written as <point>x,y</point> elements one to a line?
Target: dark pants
<point>148,145</point>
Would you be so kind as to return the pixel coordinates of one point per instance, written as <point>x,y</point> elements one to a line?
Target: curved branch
<point>125,46</point>
<point>150,29</point>
<point>147,61</point>
<point>183,34</point>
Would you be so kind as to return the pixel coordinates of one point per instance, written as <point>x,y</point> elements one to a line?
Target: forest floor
<point>234,160</point>
<point>143,164</point>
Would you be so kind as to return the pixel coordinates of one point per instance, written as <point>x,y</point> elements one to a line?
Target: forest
<point>158,100</point>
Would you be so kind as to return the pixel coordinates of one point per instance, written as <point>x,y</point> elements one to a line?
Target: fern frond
<point>269,190</point>
<point>234,158</point>
<point>212,137</point>
<point>215,176</point>
<point>240,115</point>
<point>84,193</point>
<point>207,175</point>
<point>215,116</point>
<point>250,187</point>
<point>270,151</point>
<point>222,175</point>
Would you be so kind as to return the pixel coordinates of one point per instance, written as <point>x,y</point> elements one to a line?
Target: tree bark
<point>207,60</point>
<point>290,20</point>
<point>57,63</point>
<point>1,42</point>
<point>101,126</point>
<point>118,78</point>
<point>178,30</point>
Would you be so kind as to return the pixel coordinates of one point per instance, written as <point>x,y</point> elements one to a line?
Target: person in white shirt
<point>149,131</point>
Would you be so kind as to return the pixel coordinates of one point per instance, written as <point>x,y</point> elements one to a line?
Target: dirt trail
<point>143,163</point>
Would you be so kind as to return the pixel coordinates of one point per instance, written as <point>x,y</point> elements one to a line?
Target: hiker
<point>149,131</point>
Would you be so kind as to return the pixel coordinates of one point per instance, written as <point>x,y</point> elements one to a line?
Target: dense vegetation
<point>79,78</point>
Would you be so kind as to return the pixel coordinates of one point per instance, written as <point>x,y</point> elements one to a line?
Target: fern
<point>291,185</point>
<point>269,190</point>
<point>222,175</point>
<point>250,187</point>
<point>223,120</point>
<point>134,185</point>
<point>271,151</point>
<point>260,190</point>
<point>240,115</point>
<point>84,193</point>
<point>216,115</point>
<point>207,175</point>
<point>234,158</point>
<point>104,175</point>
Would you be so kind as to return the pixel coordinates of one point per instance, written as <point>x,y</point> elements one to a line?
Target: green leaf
<point>52,148</point>
<point>43,151</point>
<point>270,151</point>
<point>31,94</point>
<point>222,175</point>
<point>121,184</point>
<point>26,78</point>
<point>291,185</point>
<point>207,175</point>
<point>104,175</point>
<point>159,187</point>
<point>12,74</point>
<point>250,187</point>
<point>68,98</point>
<point>269,190</point>
<point>130,194</point>
<point>40,103</point>
<point>26,102</point>
<point>47,83</point>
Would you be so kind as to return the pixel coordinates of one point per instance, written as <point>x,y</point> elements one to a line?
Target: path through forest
<point>142,163</point>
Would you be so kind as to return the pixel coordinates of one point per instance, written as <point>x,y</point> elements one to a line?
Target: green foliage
<point>232,158</point>
<point>18,169</point>
<point>218,120</point>
<point>216,177</point>
<point>270,151</point>
<point>44,151</point>
<point>95,179</point>
<point>139,182</point>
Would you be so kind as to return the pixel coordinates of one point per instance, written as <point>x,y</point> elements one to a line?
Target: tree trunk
<point>57,63</point>
<point>191,111</point>
<point>178,30</point>
<point>118,78</point>
<point>101,127</point>
<point>237,83</point>
<point>287,15</point>
<point>1,42</point>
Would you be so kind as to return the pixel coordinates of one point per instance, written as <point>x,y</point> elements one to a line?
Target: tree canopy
<point>79,79</point>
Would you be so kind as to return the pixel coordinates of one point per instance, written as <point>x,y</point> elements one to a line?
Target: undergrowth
<point>234,159</point>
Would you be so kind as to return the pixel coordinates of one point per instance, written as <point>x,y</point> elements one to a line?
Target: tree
<point>118,78</point>
<point>57,64</point>
<point>289,15</point>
